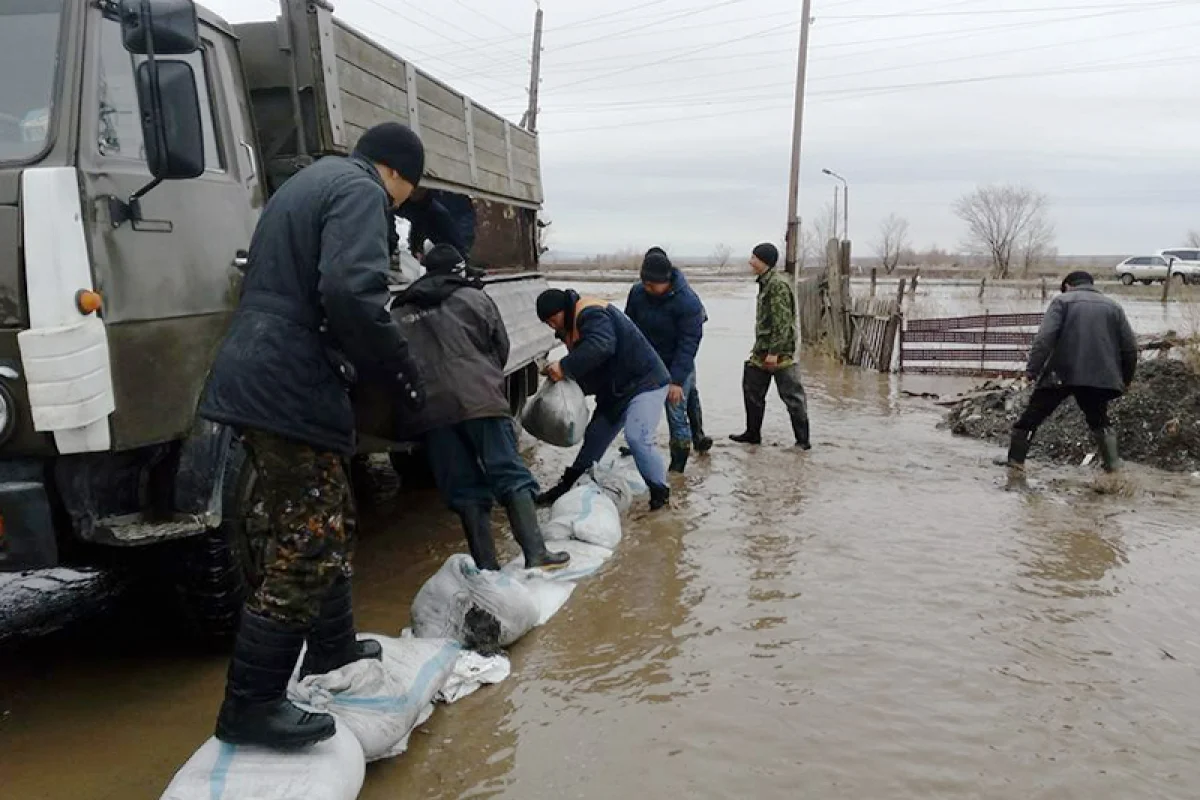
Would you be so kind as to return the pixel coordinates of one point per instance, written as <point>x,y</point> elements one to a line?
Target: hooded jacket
<point>1086,341</point>
<point>315,292</point>
<point>672,322</point>
<point>610,358</point>
<point>462,348</point>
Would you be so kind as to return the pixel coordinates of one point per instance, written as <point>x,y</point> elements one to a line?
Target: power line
<point>995,11</point>
<point>622,34</point>
<point>491,19</point>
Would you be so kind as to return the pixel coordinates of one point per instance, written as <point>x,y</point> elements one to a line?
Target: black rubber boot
<point>333,642</point>
<point>477,525</point>
<point>570,477</point>
<point>1018,450</point>
<point>1106,442</point>
<point>749,437</point>
<point>256,710</point>
<point>522,515</point>
<point>660,497</point>
<point>803,439</point>
<point>701,442</point>
<point>680,451</point>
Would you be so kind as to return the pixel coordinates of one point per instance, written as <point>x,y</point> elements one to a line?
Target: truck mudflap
<point>27,539</point>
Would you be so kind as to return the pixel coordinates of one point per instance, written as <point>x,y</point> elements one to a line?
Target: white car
<point>1185,263</point>
<point>1146,269</point>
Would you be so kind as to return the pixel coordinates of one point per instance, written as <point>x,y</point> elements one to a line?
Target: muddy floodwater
<point>875,619</point>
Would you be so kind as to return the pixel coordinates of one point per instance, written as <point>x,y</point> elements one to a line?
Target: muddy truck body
<point>138,142</point>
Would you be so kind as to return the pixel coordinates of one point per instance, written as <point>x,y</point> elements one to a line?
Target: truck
<point>139,140</point>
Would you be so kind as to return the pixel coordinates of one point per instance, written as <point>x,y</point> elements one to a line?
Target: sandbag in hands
<point>557,414</point>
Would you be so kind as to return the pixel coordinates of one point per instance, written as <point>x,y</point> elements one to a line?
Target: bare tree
<point>721,255</point>
<point>1037,244</point>
<point>998,221</point>
<point>1193,239</point>
<point>892,242</point>
<point>822,230</point>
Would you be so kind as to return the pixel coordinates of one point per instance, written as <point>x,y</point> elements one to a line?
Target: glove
<point>570,477</point>
<point>412,385</point>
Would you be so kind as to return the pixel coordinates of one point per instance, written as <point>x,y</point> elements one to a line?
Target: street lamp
<point>845,202</point>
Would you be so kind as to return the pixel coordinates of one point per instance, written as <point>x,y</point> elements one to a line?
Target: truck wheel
<point>413,469</point>
<point>223,567</point>
<point>1127,279</point>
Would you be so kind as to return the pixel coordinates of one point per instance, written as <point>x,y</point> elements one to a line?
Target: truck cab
<point>139,140</point>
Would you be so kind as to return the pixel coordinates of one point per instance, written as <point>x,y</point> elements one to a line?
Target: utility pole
<point>529,121</point>
<point>793,220</point>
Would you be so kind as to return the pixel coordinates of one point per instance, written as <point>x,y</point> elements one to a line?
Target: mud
<point>874,619</point>
<point>1157,422</point>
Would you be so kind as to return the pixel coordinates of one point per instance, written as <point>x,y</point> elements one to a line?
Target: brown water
<point>874,619</point>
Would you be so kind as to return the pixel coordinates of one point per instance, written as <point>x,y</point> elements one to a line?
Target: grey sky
<point>669,121</point>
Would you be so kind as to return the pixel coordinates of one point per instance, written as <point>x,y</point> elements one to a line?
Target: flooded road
<point>874,619</point>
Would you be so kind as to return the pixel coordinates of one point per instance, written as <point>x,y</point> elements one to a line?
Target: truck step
<point>133,529</point>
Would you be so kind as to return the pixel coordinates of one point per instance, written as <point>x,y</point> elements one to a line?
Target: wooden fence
<point>859,331</point>
<point>997,344</point>
<point>874,325</point>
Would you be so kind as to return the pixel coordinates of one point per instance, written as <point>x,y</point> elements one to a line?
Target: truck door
<point>169,284</point>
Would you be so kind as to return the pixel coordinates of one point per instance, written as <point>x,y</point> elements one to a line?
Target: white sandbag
<point>331,770</point>
<point>557,414</point>
<point>593,517</point>
<point>381,701</point>
<point>548,585</point>
<point>471,672</point>
<point>612,470</point>
<point>440,609</point>
<point>615,486</point>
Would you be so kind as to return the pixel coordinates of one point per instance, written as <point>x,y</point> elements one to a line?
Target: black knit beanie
<point>767,253</point>
<point>443,259</point>
<point>656,267</point>
<point>552,301</point>
<point>396,146</point>
<point>1078,279</point>
<point>658,250</point>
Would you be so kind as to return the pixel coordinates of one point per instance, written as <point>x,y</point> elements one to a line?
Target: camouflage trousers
<point>310,540</point>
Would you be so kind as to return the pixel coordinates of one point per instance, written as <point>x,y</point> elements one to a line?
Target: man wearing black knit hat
<point>312,317</point>
<point>670,314</point>
<point>774,353</point>
<point>467,426</point>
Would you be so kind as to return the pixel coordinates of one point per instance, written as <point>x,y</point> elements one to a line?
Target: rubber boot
<point>701,442</point>
<point>1018,450</point>
<point>679,456</point>
<point>256,710</point>
<point>570,477</point>
<point>332,642</point>
<point>477,525</point>
<point>660,497</point>
<point>753,434</point>
<point>1106,442</point>
<point>522,515</point>
<point>803,440</point>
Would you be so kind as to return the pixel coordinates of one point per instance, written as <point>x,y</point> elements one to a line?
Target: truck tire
<point>220,569</point>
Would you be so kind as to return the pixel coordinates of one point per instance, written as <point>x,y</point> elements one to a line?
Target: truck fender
<point>200,476</point>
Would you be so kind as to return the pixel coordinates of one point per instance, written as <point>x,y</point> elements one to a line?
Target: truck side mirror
<point>174,136</point>
<point>160,27</point>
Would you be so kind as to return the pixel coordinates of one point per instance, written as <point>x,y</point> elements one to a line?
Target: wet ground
<point>875,619</point>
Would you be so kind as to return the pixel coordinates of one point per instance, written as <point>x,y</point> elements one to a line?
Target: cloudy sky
<point>669,121</point>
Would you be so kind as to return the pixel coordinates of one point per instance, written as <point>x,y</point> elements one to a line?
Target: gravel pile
<point>1158,421</point>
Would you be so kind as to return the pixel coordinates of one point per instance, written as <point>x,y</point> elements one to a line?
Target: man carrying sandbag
<point>670,314</point>
<point>312,315</point>
<point>466,425</point>
<point>611,359</point>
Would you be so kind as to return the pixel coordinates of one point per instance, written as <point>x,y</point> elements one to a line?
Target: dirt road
<point>875,619</point>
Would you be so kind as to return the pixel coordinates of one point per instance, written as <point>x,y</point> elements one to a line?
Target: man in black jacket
<point>312,316</point>
<point>1085,349</point>
<point>466,425</point>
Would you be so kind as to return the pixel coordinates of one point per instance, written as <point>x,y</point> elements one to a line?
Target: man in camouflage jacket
<point>774,354</point>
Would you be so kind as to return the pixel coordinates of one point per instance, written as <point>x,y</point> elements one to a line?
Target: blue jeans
<point>477,461</point>
<point>677,415</point>
<point>640,423</point>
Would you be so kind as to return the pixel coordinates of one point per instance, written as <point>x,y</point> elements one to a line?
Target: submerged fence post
<point>1044,290</point>
<point>1167,288</point>
<point>874,278</point>
<point>916,279</point>
<point>982,287</point>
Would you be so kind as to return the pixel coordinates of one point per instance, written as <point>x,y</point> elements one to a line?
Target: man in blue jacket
<point>670,314</point>
<point>611,359</point>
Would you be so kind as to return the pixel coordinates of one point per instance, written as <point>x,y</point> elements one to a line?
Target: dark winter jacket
<point>610,358</point>
<point>315,294</point>
<point>457,333</point>
<point>440,217</point>
<point>1085,340</point>
<point>673,322</point>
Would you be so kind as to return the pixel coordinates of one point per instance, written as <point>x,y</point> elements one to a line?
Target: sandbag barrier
<point>378,704</point>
